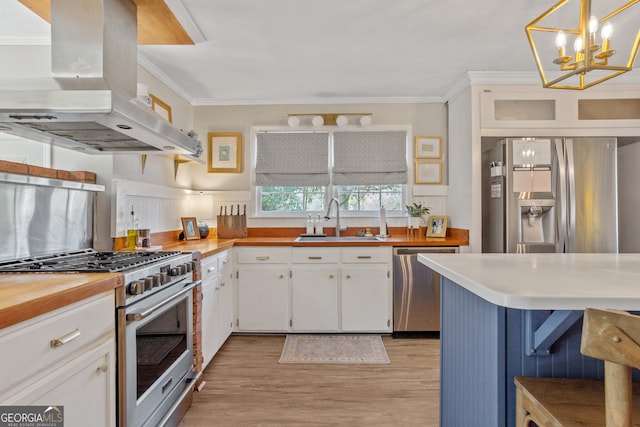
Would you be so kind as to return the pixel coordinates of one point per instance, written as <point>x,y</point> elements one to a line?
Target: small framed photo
<point>190,228</point>
<point>428,147</point>
<point>161,108</point>
<point>437,226</point>
<point>225,152</point>
<point>428,173</point>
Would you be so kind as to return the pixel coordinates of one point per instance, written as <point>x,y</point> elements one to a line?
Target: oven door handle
<point>150,311</point>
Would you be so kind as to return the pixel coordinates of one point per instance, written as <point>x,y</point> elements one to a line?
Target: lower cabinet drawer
<point>38,343</point>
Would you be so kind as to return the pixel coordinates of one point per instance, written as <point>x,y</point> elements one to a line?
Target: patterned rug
<point>355,349</point>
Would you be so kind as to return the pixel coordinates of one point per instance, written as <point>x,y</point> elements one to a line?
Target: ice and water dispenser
<point>532,184</point>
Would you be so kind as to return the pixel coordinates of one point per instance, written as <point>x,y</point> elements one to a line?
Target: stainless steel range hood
<point>90,102</point>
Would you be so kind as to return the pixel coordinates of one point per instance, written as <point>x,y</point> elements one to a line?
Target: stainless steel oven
<point>155,356</point>
<point>155,343</point>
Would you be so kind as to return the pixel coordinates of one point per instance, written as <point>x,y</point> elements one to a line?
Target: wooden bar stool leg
<point>618,395</point>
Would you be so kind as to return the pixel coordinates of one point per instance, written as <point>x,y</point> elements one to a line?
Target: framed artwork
<point>428,173</point>
<point>428,147</point>
<point>161,108</point>
<point>190,228</point>
<point>437,226</point>
<point>225,152</point>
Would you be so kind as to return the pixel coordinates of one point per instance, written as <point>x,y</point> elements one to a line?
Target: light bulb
<point>317,121</point>
<point>341,120</point>
<point>561,39</point>
<point>607,31</point>
<point>577,44</point>
<point>294,121</point>
<point>593,25</point>
<point>365,120</point>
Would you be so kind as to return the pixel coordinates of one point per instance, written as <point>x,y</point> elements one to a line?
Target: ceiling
<point>330,51</point>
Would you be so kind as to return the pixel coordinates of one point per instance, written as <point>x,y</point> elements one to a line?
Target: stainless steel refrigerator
<point>550,195</point>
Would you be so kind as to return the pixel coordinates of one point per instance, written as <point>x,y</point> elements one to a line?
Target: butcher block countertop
<point>27,295</point>
<point>287,237</point>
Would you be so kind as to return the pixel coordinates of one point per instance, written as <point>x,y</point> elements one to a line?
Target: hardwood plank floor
<point>245,386</point>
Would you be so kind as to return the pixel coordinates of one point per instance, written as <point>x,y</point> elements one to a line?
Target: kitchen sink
<point>320,239</point>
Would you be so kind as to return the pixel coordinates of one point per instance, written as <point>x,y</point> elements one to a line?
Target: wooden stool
<point>609,335</point>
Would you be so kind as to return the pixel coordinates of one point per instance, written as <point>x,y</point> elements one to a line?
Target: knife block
<point>232,226</point>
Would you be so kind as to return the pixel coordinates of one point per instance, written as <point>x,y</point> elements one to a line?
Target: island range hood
<point>89,102</point>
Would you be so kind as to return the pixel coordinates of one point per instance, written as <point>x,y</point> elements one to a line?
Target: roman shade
<point>292,159</point>
<point>369,158</point>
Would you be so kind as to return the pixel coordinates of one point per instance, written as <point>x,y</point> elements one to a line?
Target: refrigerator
<point>550,195</point>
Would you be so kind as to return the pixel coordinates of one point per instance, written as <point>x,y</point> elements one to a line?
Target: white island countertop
<point>545,281</point>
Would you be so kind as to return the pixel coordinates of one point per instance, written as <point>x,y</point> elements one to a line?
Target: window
<point>298,172</point>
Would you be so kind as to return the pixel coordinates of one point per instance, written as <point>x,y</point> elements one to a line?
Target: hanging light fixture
<point>593,59</point>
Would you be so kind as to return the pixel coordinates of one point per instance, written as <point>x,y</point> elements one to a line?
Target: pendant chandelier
<point>595,53</point>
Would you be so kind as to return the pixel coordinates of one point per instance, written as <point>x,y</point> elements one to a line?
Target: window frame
<point>407,188</point>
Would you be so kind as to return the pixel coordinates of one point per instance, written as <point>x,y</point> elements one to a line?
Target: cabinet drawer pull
<point>102,368</point>
<point>222,284</point>
<point>364,256</point>
<point>57,342</point>
<point>226,261</point>
<point>315,257</point>
<point>210,269</point>
<point>262,258</point>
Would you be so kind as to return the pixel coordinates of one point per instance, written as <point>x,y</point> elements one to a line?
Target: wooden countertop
<point>27,295</point>
<point>213,245</point>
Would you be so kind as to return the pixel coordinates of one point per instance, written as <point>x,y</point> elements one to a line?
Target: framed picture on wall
<point>428,147</point>
<point>225,152</point>
<point>161,108</point>
<point>428,173</point>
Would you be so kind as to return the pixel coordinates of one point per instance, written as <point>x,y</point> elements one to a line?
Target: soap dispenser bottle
<point>319,228</point>
<point>309,225</point>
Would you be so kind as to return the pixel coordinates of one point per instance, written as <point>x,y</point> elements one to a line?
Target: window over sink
<point>300,171</point>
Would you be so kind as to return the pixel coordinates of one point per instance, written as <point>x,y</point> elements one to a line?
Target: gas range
<point>145,273</point>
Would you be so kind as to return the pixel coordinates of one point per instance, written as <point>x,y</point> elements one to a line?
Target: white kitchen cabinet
<point>314,290</point>
<point>84,386</point>
<point>210,292</point>
<point>224,309</point>
<point>65,357</point>
<point>263,289</point>
<point>217,303</point>
<point>366,292</point>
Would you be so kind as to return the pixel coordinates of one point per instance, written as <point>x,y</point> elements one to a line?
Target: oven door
<point>155,354</point>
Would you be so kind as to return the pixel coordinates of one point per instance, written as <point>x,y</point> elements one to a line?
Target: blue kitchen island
<point>504,315</point>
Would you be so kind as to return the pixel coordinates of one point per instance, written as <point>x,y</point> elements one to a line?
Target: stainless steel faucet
<point>337,215</point>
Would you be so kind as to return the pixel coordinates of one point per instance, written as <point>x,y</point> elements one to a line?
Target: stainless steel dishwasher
<point>416,292</point>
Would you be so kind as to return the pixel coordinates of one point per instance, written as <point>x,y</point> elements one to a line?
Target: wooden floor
<point>245,386</point>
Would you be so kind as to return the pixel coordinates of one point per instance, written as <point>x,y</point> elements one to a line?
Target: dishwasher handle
<point>425,250</point>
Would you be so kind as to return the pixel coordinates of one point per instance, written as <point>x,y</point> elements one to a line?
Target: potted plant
<point>416,212</point>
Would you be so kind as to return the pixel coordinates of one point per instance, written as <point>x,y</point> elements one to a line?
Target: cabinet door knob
<point>102,368</point>
<point>222,284</point>
<point>348,276</point>
<point>282,276</point>
<point>331,276</point>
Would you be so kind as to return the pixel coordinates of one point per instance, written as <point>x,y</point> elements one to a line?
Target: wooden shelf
<point>156,23</point>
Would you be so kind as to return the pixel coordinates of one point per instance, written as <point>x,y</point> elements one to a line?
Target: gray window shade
<point>369,158</point>
<point>292,159</point>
